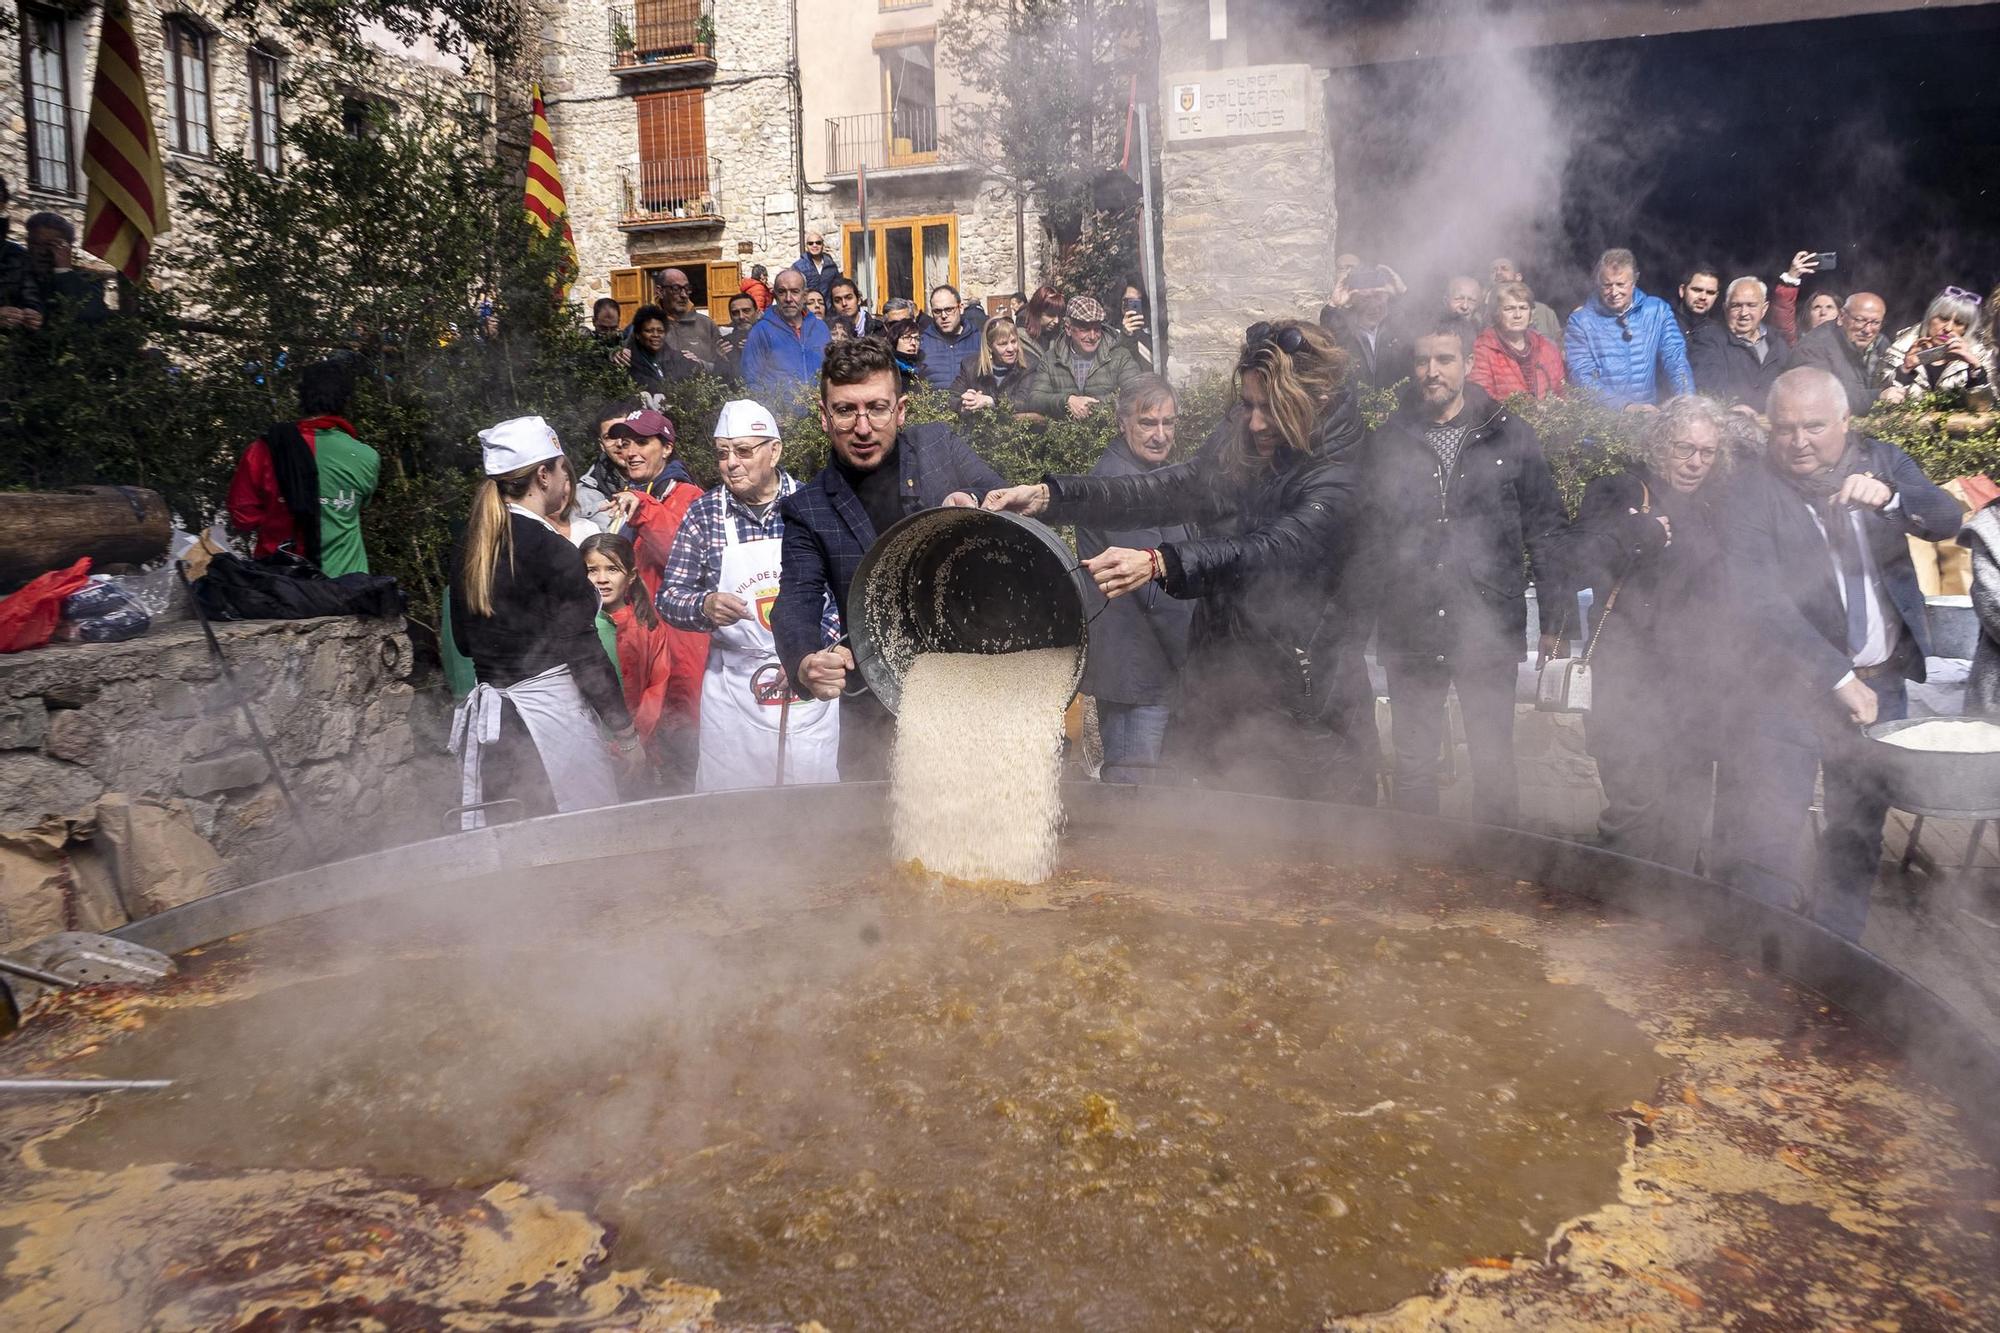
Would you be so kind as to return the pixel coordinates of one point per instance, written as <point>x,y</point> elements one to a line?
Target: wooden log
<point>113,525</point>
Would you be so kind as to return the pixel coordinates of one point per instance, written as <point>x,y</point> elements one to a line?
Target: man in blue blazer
<point>880,471</point>
<point>1833,627</point>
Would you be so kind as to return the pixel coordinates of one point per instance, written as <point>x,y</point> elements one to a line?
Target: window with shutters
<point>264,111</point>
<point>186,60</point>
<point>45,78</point>
<point>673,171</point>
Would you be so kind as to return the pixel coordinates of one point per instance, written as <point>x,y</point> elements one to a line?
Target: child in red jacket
<point>644,658</point>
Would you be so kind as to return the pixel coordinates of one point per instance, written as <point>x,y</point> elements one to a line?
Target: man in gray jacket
<point>1138,644</point>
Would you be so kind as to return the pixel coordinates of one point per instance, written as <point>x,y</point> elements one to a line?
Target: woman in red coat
<point>1509,357</point>
<point>658,493</point>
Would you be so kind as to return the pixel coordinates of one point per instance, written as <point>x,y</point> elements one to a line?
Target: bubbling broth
<point>1126,1110</point>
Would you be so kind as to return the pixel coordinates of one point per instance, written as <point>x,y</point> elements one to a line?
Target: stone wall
<point>1248,223</point>
<point>154,717</point>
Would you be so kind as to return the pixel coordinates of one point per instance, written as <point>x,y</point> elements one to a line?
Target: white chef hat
<point>513,445</point>
<point>743,419</point>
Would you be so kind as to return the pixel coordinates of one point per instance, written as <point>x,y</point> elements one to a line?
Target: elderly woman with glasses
<point>1275,698</point>
<point>1647,542</point>
<point>1942,353</point>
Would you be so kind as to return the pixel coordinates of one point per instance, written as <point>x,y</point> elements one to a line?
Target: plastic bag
<point>29,617</point>
<point>98,597</point>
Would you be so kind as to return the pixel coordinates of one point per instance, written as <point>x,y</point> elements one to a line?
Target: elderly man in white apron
<point>722,580</point>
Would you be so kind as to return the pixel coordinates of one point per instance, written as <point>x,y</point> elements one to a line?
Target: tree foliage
<point>387,247</point>
<point>1056,79</point>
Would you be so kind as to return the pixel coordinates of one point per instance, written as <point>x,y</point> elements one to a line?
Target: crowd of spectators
<point>1743,584</point>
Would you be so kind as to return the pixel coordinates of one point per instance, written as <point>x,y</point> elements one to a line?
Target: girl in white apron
<point>739,722</point>
<point>525,613</point>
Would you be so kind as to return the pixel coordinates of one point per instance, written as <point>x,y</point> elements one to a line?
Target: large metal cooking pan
<point>1940,1043</point>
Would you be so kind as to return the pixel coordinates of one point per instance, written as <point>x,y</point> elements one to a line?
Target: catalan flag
<point>543,196</point>
<point>126,207</point>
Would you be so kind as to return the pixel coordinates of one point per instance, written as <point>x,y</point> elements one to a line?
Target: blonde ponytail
<point>489,533</point>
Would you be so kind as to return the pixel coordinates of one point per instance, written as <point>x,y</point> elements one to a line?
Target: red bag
<point>28,618</point>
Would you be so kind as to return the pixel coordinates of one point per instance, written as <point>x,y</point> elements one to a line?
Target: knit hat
<point>513,445</point>
<point>743,419</point>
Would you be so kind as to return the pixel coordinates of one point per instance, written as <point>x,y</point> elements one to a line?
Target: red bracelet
<point>1157,563</point>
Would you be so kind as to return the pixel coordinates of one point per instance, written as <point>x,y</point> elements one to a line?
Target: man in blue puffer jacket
<point>1623,344</point>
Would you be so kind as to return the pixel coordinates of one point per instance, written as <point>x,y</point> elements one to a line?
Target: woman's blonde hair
<point>488,534</point>
<point>984,363</point>
<point>1303,368</point>
<point>1510,291</point>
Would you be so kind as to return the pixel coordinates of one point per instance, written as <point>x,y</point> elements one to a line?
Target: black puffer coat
<point>1443,556</point>
<point>1262,569</point>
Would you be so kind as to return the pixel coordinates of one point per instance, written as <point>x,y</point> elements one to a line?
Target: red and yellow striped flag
<point>543,197</point>
<point>127,204</point>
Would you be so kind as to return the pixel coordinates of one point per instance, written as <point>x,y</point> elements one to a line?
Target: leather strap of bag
<point>1611,598</point>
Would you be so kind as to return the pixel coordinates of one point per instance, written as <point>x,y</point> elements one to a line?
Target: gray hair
<point>1805,380</point>
<point>1735,433</point>
<point>1763,291</point>
<point>1617,258</point>
<point>1143,391</point>
<point>1954,308</point>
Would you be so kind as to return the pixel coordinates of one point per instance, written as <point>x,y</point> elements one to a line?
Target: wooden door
<point>628,289</point>
<point>723,280</point>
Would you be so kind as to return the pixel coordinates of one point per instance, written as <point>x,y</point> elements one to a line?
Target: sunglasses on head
<point>1288,339</point>
<point>1970,298</point>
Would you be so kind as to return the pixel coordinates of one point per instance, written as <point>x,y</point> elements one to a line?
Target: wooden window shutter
<point>628,286</point>
<point>723,280</point>
<point>672,131</point>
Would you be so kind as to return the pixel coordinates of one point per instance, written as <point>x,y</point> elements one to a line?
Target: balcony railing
<point>675,189</point>
<point>652,32</point>
<point>891,140</point>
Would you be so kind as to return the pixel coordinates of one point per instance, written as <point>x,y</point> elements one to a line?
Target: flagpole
<point>1147,253</point>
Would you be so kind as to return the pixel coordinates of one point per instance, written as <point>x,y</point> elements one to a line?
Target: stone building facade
<point>879,94</point>
<point>707,136</point>
<point>203,74</point>
<point>675,131</point>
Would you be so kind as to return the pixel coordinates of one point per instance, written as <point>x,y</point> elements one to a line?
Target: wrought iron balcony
<point>671,191</point>
<point>660,32</point>
<point>891,140</point>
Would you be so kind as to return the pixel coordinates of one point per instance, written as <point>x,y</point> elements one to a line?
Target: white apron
<point>562,727</point>
<point>739,731</point>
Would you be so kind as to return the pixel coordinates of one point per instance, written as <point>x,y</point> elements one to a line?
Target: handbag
<point>1563,684</point>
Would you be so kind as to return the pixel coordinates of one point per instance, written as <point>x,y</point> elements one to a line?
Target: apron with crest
<point>739,721</point>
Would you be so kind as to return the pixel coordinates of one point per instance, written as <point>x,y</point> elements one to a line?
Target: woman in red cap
<point>657,496</point>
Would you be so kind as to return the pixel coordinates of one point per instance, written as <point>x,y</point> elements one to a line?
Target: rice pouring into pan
<point>976,771</point>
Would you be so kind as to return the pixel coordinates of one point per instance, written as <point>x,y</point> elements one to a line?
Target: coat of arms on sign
<point>1187,98</point>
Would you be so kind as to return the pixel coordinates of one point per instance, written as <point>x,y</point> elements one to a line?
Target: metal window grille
<point>45,84</point>
<point>264,112</point>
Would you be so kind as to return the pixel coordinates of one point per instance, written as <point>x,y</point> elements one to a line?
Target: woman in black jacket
<point>1647,542</point>
<point>525,613</point>
<point>999,376</point>
<point>1275,696</point>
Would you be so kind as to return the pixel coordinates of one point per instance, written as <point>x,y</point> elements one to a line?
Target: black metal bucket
<point>953,580</point>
